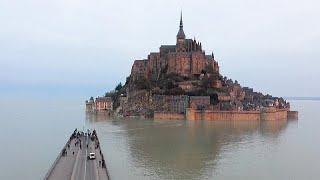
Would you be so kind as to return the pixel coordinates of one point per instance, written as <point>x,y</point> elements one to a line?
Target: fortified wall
<point>168,107</point>
<point>274,114</point>
<point>293,115</point>
<point>168,116</point>
<point>266,114</point>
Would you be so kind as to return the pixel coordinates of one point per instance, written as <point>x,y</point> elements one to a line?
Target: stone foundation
<point>272,114</point>
<point>168,116</point>
<point>193,114</point>
<point>293,115</point>
<point>267,115</point>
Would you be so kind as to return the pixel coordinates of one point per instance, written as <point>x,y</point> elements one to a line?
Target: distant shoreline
<point>303,98</point>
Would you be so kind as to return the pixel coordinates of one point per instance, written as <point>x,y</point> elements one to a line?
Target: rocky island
<point>181,81</point>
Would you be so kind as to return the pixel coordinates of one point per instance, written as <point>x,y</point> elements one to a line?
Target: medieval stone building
<point>182,82</point>
<point>185,58</point>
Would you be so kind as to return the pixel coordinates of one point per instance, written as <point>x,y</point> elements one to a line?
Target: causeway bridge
<point>73,162</point>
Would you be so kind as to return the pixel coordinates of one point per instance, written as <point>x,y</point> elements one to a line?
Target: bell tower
<point>181,37</point>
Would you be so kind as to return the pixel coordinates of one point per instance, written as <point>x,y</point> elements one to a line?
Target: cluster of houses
<point>146,104</point>
<point>99,104</point>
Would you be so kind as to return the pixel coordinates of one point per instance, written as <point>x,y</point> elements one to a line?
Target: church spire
<point>181,34</point>
<point>181,22</point>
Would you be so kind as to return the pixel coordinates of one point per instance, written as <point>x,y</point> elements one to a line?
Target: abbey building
<point>186,58</point>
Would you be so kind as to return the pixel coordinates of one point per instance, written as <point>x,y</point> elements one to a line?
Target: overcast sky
<point>86,47</point>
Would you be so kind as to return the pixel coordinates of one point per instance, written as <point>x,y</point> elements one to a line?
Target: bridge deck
<point>72,163</point>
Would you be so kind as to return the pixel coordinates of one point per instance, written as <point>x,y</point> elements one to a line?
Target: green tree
<point>118,87</point>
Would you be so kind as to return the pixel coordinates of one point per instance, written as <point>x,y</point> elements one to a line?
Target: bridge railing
<point>56,161</point>
<point>102,156</point>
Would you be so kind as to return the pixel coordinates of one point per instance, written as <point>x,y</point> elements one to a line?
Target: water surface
<point>33,134</point>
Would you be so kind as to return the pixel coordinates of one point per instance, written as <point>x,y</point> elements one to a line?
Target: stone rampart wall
<point>168,116</point>
<point>192,114</point>
<point>165,103</point>
<point>293,115</point>
<point>274,115</point>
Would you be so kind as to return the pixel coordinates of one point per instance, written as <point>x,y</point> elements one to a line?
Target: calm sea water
<point>32,132</point>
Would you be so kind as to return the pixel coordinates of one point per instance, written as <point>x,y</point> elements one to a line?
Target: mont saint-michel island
<point>182,81</point>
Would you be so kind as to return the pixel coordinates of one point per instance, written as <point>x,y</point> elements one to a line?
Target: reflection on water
<point>147,149</point>
<point>177,149</point>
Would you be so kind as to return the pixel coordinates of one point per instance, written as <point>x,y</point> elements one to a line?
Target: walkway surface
<point>73,163</point>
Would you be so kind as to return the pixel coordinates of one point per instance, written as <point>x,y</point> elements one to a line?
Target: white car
<point>92,156</point>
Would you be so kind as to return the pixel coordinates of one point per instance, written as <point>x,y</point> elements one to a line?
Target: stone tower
<point>181,37</point>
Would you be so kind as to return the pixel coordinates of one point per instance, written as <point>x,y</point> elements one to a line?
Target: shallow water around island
<point>32,136</point>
